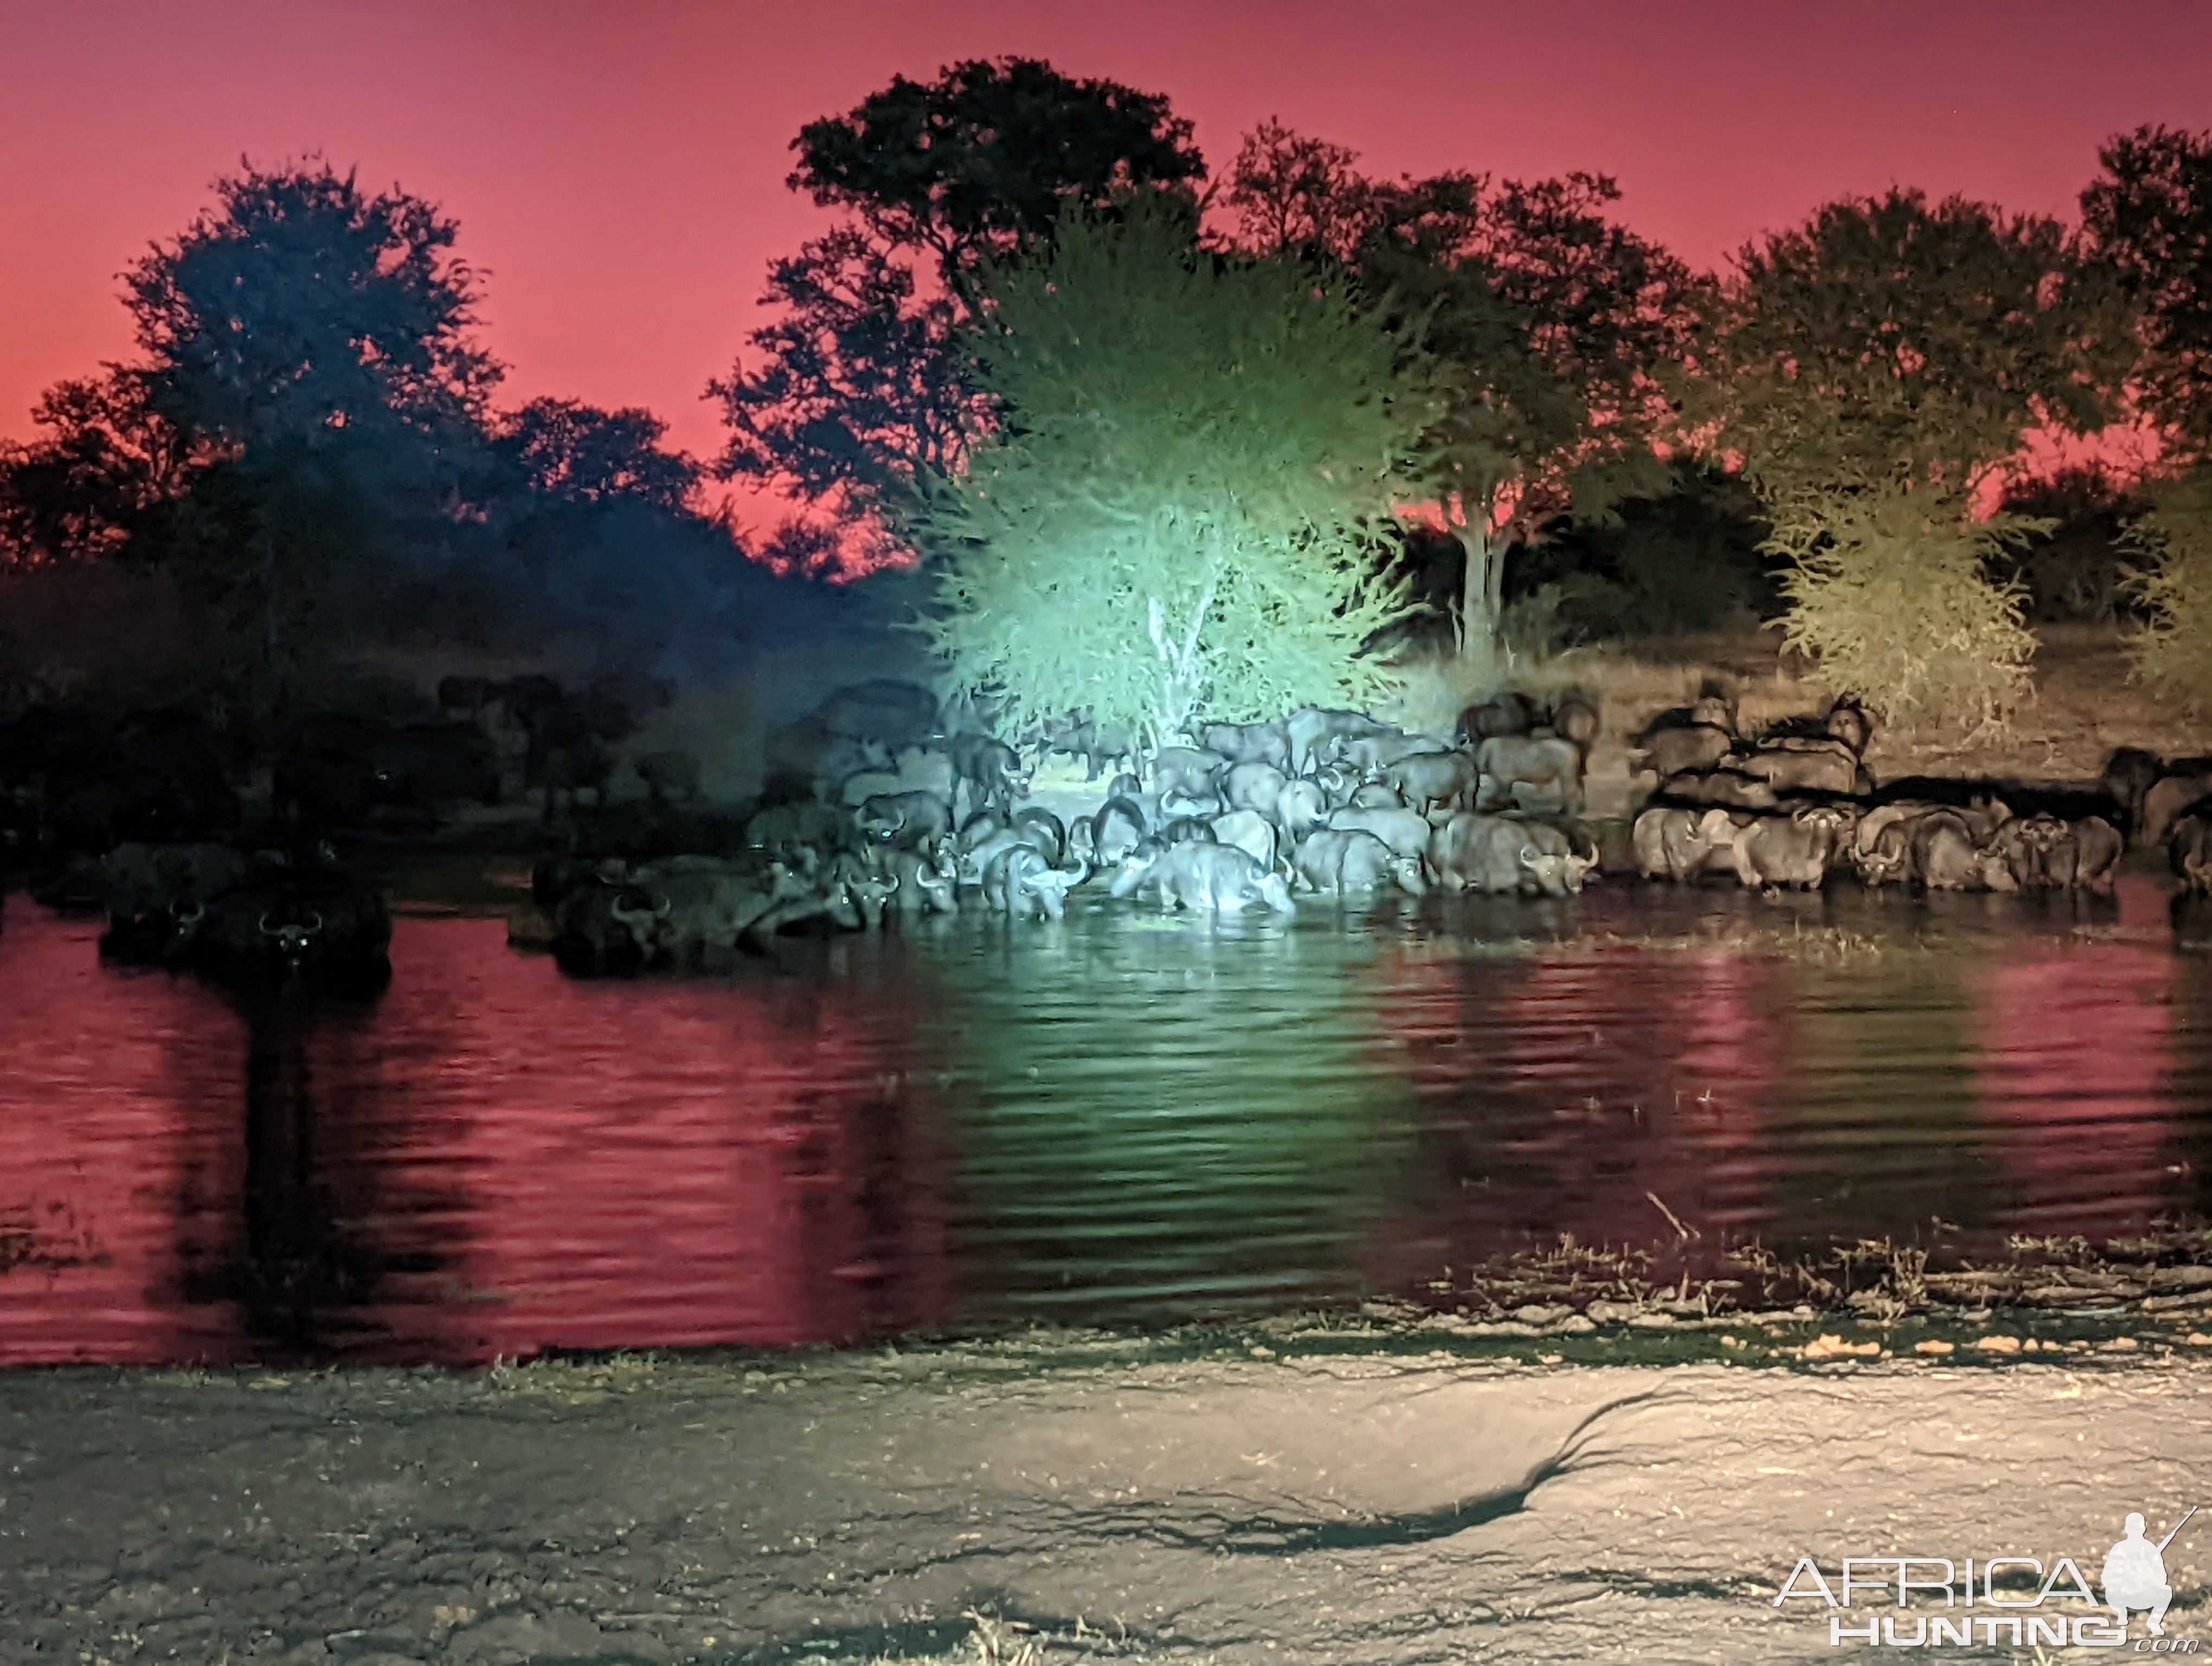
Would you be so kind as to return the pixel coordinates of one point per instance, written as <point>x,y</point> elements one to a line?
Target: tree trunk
<point>1482,593</point>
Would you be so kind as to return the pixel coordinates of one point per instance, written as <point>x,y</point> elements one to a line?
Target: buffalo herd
<point>884,806</point>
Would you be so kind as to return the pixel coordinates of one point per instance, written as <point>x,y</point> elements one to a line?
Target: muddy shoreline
<point>1352,1489</point>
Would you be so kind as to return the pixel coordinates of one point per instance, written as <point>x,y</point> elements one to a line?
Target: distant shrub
<point>1891,593</point>
<point>2172,649</point>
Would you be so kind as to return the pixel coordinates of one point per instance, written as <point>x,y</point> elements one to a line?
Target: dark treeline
<point>307,446</point>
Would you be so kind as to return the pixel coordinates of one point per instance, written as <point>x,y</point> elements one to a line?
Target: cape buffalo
<point>2188,848</point>
<point>1685,747</point>
<point>1575,719</point>
<point>1020,878</point>
<point>1250,832</point>
<point>1728,786</point>
<point>1315,735</point>
<point>905,819</point>
<point>1405,831</point>
<point>1544,774</point>
<point>1675,843</point>
<point>1213,878</point>
<point>1301,807</point>
<point>1185,772</point>
<point>1504,713</point>
<point>1430,781</point>
<point>1822,766</point>
<point>991,771</point>
<point>1340,861</point>
<point>1249,743</point>
<point>2173,793</point>
<point>1253,786</point>
<point>1500,853</point>
<point>2128,775</point>
<point>1796,849</point>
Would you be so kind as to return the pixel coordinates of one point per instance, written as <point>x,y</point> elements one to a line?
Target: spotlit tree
<point>1891,592</point>
<point>2172,648</point>
<point>1182,515</point>
<point>1872,370</point>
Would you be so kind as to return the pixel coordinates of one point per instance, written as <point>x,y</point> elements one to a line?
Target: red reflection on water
<point>494,1160</point>
<point>687,1170</point>
<point>89,1173</point>
<point>1563,1093</point>
<point>2074,1072</point>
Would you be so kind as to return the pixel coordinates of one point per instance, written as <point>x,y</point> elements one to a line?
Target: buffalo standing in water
<point>1500,853</point>
<point>1349,861</point>
<point>1213,878</point>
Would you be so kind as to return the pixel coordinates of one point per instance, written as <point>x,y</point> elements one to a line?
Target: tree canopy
<point>1892,342</point>
<point>568,451</point>
<point>2149,218</point>
<point>1184,517</point>
<point>980,161</point>
<point>855,397</point>
<point>301,309</point>
<point>860,392</point>
<point>1551,328</point>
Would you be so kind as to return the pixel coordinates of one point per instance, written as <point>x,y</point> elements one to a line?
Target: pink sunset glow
<point>618,172</point>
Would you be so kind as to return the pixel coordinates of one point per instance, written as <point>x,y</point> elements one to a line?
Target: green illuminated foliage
<point>1181,515</point>
<point>1871,370</point>
<point>1892,593</point>
<point>2172,650</point>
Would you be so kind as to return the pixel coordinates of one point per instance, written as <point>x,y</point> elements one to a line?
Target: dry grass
<point>998,1642</point>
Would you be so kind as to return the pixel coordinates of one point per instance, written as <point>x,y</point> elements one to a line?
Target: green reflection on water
<point>1172,1116</point>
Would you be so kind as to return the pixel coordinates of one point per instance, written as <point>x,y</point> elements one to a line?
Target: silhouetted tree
<point>1551,328</point>
<point>303,311</point>
<point>1891,342</point>
<point>980,161</point>
<point>1188,515</point>
<point>1300,197</point>
<point>858,397</point>
<point>97,480</point>
<point>859,394</point>
<point>306,394</point>
<point>568,451</point>
<point>2150,217</point>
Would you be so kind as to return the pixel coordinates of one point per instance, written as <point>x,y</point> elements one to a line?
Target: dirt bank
<point>1234,1502</point>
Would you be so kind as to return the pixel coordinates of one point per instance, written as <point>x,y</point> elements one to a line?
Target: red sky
<point>617,168</point>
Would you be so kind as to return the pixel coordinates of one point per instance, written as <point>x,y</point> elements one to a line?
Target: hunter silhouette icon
<point>2134,1573</point>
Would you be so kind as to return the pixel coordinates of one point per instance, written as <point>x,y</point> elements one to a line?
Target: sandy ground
<point>1235,1504</point>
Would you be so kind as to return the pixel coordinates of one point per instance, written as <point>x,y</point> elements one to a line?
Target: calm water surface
<point>1120,1119</point>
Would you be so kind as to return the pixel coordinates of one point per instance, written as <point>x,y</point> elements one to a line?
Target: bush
<point>1891,593</point>
<point>2172,650</point>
